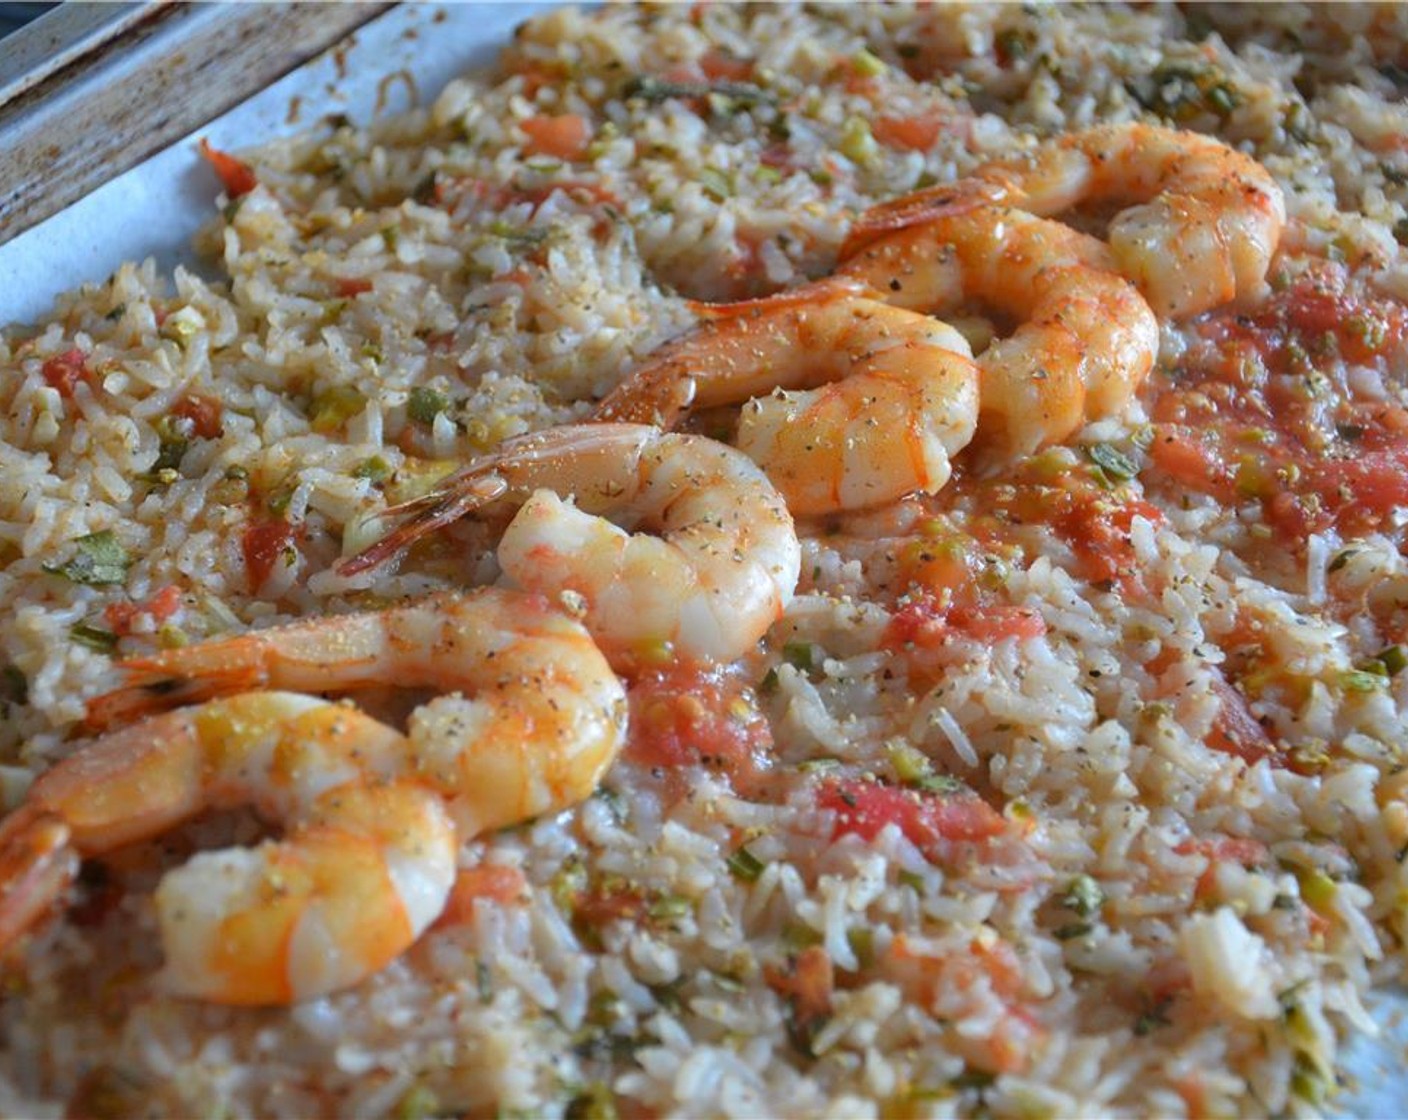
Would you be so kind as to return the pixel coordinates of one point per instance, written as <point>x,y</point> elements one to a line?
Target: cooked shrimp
<point>888,395</point>
<point>1086,338</point>
<point>365,865</point>
<point>373,818</point>
<point>721,572</point>
<point>1203,231</point>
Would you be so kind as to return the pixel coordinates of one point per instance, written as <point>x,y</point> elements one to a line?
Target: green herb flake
<point>669,908</point>
<point>857,143</point>
<point>1011,44</point>
<point>743,864</point>
<point>1317,890</point>
<point>14,687</point>
<point>93,637</point>
<point>1114,462</point>
<point>819,765</point>
<point>1360,680</point>
<point>424,405</point>
<point>910,764</point>
<point>517,235</point>
<point>333,407</point>
<point>974,1079</point>
<point>595,1102</point>
<point>1394,659</point>
<point>944,784</point>
<point>1342,558</point>
<point>911,879</point>
<point>867,65</point>
<point>375,470</point>
<point>1072,930</point>
<point>799,655</point>
<point>717,184</point>
<point>745,94</point>
<point>418,1103</point>
<point>670,995</point>
<point>1083,896</point>
<point>1155,1017</point>
<point>99,559</point>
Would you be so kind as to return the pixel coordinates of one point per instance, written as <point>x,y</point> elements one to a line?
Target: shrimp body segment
<point>366,862</point>
<point>1086,338</point>
<point>851,402</point>
<point>372,818</point>
<point>1201,223</point>
<point>715,563</point>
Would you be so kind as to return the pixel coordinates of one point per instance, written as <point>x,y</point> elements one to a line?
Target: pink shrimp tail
<point>158,684</point>
<point>807,295</point>
<point>915,209</point>
<point>37,865</point>
<point>431,517</point>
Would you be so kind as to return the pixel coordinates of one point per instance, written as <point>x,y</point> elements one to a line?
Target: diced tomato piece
<point>911,134</point>
<point>565,136</point>
<point>807,982</point>
<point>1236,731</point>
<point>1240,850</point>
<point>612,900</point>
<point>536,75</point>
<point>204,413</point>
<point>686,715</point>
<point>1187,461</point>
<point>264,544</point>
<point>926,819</point>
<point>1098,532</point>
<point>716,65</point>
<point>504,885</point>
<point>1375,482</point>
<point>237,176</point>
<point>993,622</point>
<point>923,624</point>
<point>64,371</point>
<point>160,605</point>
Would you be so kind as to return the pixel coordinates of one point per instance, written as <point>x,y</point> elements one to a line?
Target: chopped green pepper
<point>424,405</point>
<point>99,559</point>
<point>93,637</point>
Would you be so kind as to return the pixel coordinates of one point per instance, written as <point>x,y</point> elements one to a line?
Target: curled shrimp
<point>1204,226</point>
<point>372,817</point>
<point>722,570</point>
<point>887,396</point>
<point>1085,341</point>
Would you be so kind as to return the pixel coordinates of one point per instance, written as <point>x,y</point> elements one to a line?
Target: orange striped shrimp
<point>372,818</point>
<point>1085,340</point>
<point>721,571</point>
<point>1203,227</point>
<point>886,396</point>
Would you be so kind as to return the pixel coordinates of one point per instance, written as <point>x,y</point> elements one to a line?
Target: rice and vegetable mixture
<point>1074,788</point>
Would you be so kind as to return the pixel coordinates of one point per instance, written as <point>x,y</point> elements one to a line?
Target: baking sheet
<point>155,209</point>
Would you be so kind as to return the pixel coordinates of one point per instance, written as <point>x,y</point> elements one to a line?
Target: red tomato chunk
<point>926,819</point>
<point>236,175</point>
<point>684,716</point>
<point>64,371</point>
<point>264,544</point>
